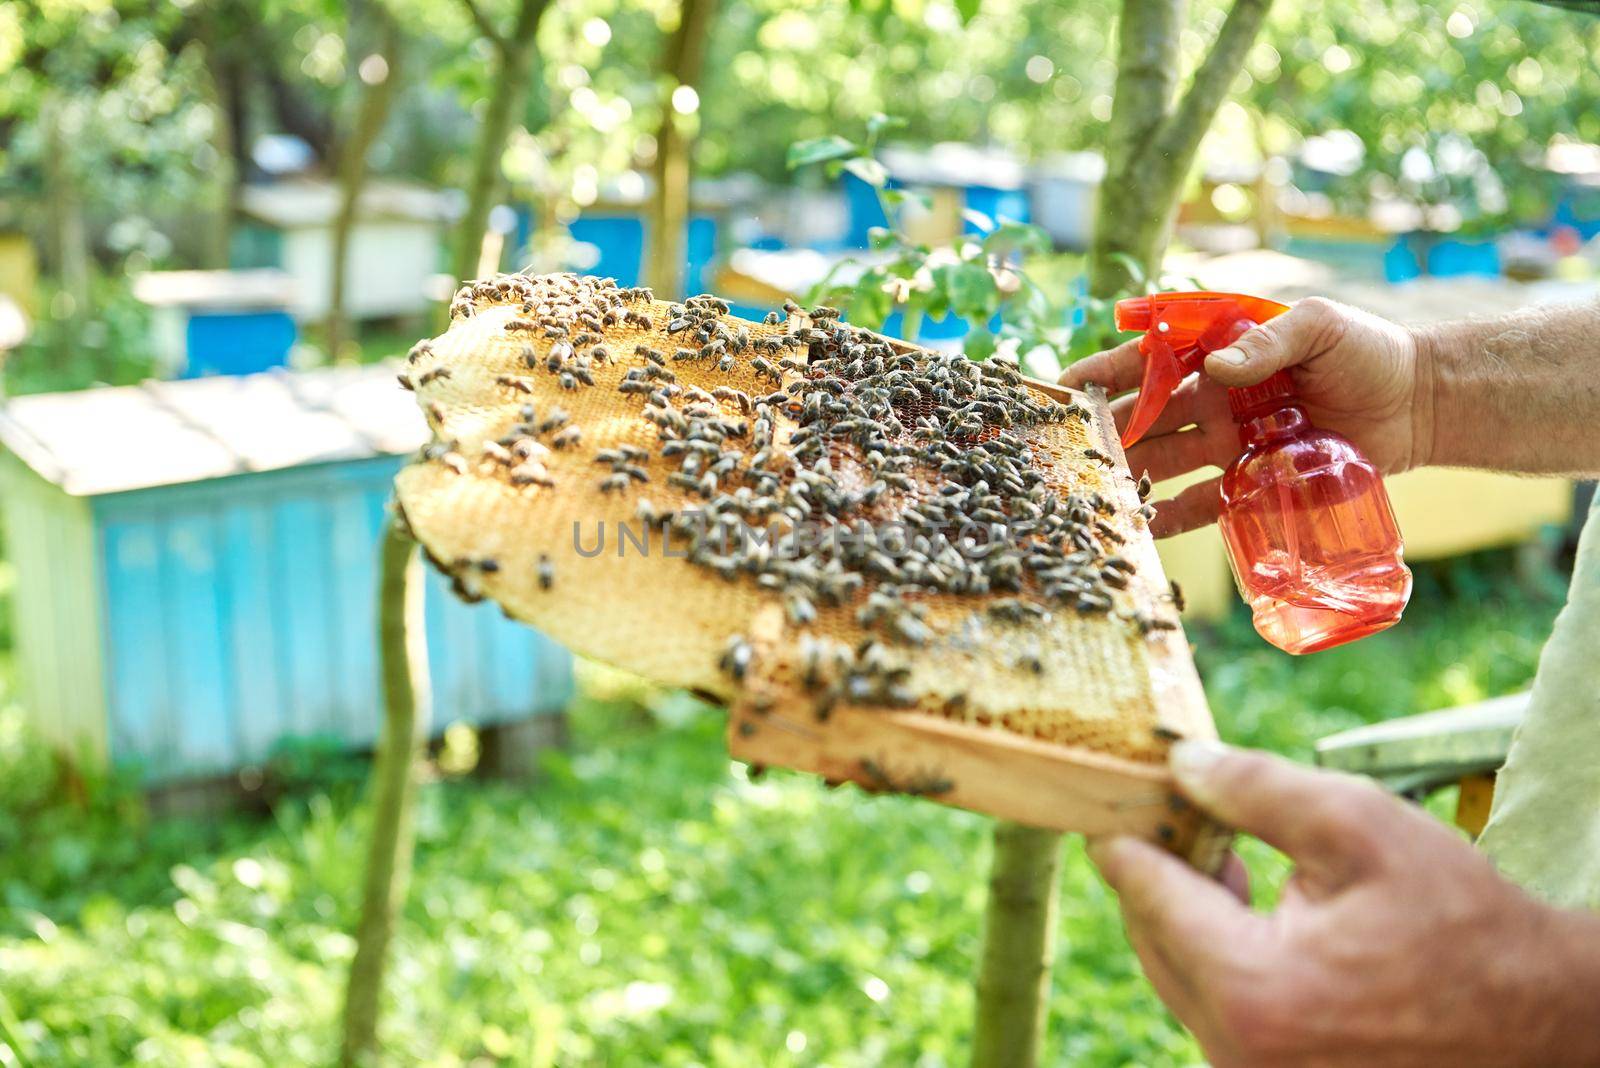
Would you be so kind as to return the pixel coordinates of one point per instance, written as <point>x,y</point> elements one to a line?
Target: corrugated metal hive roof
<point>121,438</point>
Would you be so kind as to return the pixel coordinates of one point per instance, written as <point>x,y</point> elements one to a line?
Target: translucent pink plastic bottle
<point>1310,533</point>
<point>1308,526</point>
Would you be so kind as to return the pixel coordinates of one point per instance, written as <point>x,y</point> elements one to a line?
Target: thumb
<point>1291,338</point>
<point>1332,825</point>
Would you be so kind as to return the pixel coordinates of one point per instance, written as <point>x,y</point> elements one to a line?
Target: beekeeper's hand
<point>1356,374</point>
<point>1393,944</point>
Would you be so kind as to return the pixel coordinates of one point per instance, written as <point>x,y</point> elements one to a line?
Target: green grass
<point>645,905</point>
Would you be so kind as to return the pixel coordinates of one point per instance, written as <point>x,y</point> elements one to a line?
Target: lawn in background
<point>646,904</point>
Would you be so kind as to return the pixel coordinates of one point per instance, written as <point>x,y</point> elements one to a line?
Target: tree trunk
<point>67,241</point>
<point>229,138</point>
<point>403,656</point>
<point>1152,139</point>
<point>514,69</point>
<point>682,62</point>
<point>1150,146</point>
<point>1019,944</point>
<point>377,98</point>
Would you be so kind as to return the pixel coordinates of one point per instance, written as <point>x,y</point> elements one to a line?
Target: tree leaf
<point>978,219</point>
<point>878,122</point>
<point>820,149</point>
<point>968,9</point>
<point>973,294</point>
<point>1010,237</point>
<point>980,345</point>
<point>869,305</point>
<point>868,170</point>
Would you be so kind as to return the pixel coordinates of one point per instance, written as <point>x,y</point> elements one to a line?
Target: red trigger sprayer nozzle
<point>1179,330</point>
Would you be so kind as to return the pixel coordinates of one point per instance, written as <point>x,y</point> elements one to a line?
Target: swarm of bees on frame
<point>852,434</point>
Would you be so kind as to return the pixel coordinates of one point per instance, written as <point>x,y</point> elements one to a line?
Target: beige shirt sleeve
<point>1544,826</point>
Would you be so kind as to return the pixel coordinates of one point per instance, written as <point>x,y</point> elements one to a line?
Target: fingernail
<point>1192,762</point>
<point>1232,357</point>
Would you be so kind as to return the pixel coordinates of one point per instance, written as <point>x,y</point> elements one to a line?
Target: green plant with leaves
<point>983,278</point>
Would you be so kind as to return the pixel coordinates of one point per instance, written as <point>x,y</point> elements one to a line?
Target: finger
<point>1195,401</point>
<point>1235,877</point>
<point>1172,455</point>
<point>1300,333</point>
<point>1192,508</point>
<point>1331,825</point>
<point>1117,370</point>
<point>1183,915</point>
<point>1174,987</point>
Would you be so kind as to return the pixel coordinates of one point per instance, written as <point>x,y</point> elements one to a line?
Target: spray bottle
<point>1310,534</point>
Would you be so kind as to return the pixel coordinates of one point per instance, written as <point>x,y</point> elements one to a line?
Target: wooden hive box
<point>195,572</point>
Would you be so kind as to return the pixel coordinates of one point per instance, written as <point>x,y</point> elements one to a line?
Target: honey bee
<point>531,472</point>
<point>799,609</point>
<point>736,658</point>
<point>547,572</point>
<point>570,436</point>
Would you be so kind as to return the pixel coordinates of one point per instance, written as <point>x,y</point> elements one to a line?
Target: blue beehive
<point>196,571</point>
<point>956,178</point>
<point>219,322</point>
<point>620,237</point>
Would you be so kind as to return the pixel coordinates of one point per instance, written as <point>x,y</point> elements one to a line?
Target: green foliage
<point>646,904</point>
<point>72,347</point>
<point>983,279</point>
<point>1455,103</point>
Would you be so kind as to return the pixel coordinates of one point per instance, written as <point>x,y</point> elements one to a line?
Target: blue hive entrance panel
<point>219,322</point>
<point>186,607</point>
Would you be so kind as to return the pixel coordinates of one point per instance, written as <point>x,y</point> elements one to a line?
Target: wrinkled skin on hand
<point>1356,374</point>
<point>1394,943</point>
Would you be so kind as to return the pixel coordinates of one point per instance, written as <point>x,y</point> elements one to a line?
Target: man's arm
<point>1519,393</point>
<point>1394,943</point>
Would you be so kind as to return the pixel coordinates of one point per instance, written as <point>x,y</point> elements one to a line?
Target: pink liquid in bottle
<point>1310,534</point>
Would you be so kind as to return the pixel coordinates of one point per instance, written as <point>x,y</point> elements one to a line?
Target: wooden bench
<point>1417,754</point>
